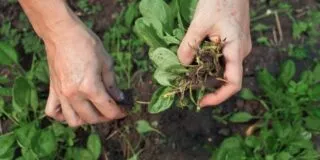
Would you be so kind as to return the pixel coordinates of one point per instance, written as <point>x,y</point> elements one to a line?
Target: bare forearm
<point>49,18</point>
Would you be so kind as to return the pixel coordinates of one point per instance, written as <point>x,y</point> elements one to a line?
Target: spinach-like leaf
<point>143,126</point>
<point>25,134</point>
<point>164,58</point>
<point>21,94</point>
<point>288,70</point>
<point>247,94</point>
<point>187,9</point>
<point>94,145</point>
<point>241,117</point>
<point>7,142</point>
<point>164,78</point>
<point>161,100</point>
<point>316,73</point>
<point>44,144</point>
<point>147,32</point>
<point>8,54</point>
<point>157,9</point>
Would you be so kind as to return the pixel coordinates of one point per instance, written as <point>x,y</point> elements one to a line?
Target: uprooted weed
<point>206,71</point>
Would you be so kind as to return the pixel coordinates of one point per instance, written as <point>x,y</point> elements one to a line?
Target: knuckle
<point>89,89</point>
<point>69,92</point>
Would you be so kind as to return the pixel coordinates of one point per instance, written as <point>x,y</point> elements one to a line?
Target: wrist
<point>49,18</point>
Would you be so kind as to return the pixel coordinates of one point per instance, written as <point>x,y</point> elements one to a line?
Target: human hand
<point>82,81</point>
<point>226,19</point>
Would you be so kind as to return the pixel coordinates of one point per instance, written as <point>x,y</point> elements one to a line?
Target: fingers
<point>109,82</point>
<point>53,107</point>
<point>70,115</point>
<point>87,111</point>
<point>104,103</point>
<point>233,75</point>
<point>190,43</point>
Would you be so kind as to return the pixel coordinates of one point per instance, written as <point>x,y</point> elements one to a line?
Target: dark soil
<point>187,133</point>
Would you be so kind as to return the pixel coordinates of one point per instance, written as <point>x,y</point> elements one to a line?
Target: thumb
<point>190,43</point>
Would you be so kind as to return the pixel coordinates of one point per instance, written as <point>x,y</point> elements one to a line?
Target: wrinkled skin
<point>220,19</point>
<point>82,84</point>
<point>82,81</point>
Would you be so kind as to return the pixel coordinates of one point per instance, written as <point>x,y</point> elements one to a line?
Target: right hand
<point>82,81</point>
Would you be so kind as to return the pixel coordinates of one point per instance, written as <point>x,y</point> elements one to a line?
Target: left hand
<point>225,19</point>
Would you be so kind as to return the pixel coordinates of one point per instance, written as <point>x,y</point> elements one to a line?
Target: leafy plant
<point>143,127</point>
<point>286,128</point>
<point>125,47</point>
<point>162,27</point>
<point>88,8</point>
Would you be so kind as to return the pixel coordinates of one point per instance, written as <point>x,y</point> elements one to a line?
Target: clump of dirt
<point>208,63</point>
<point>207,69</point>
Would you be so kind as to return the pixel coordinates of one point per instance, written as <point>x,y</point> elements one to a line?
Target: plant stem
<point>21,70</point>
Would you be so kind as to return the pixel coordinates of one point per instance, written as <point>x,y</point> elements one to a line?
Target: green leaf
<point>2,110</point>
<point>28,154</point>
<point>302,144</point>
<point>94,145</point>
<point>241,117</point>
<point>63,133</point>
<point>143,127</point>
<point>307,77</point>
<point>283,156</point>
<point>316,73</point>
<point>21,94</point>
<point>134,157</point>
<point>8,155</point>
<point>148,33</point>
<point>5,91</point>
<point>161,100</point>
<point>8,54</point>
<point>187,9</point>
<point>312,123</point>
<point>315,91</point>
<point>79,154</point>
<point>263,40</point>
<point>298,52</point>
<point>157,9</point>
<point>4,80</point>
<point>7,146</point>
<point>178,33</point>
<point>298,28</point>
<point>177,69</point>
<point>164,78</point>
<point>130,14</point>
<point>252,141</point>
<point>34,102</point>
<point>44,144</point>
<point>164,58</point>
<point>42,72</point>
<point>171,40</point>
<point>266,81</point>
<point>247,94</point>
<point>25,134</point>
<point>259,27</point>
<point>288,70</point>
<point>230,149</point>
